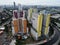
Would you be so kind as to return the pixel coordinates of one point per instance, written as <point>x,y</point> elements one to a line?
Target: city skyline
<point>31,2</point>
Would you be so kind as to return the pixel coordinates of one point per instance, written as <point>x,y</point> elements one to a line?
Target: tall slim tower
<point>14,5</point>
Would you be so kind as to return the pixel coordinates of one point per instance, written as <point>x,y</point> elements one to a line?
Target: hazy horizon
<point>31,2</point>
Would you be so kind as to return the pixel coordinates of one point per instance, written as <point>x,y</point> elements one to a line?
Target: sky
<point>31,2</point>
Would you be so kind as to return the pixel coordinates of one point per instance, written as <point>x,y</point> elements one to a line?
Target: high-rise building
<point>30,14</point>
<point>47,24</point>
<point>15,14</point>
<point>37,20</point>
<point>46,21</point>
<point>19,7</point>
<point>14,5</point>
<point>15,24</point>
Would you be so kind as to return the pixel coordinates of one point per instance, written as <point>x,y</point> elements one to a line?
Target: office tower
<point>14,5</point>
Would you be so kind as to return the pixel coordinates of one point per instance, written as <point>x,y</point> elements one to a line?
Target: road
<point>55,38</point>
